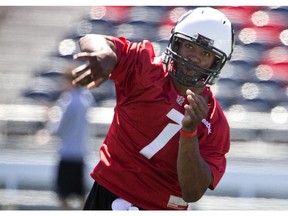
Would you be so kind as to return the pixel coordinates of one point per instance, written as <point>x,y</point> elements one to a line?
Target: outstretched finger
<point>83,79</point>
<point>82,56</point>
<point>190,111</point>
<point>96,83</point>
<point>80,70</point>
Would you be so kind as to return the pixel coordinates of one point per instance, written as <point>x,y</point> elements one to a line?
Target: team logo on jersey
<point>208,125</point>
<point>180,100</point>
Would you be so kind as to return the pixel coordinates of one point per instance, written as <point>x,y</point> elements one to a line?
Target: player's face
<point>195,54</point>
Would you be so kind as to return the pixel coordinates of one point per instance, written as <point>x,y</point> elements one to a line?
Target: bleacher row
<point>255,80</point>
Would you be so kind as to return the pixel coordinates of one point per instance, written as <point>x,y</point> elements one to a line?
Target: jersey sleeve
<point>215,147</point>
<point>136,64</point>
<point>216,157</point>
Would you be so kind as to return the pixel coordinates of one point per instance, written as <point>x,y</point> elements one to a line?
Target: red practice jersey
<point>138,156</point>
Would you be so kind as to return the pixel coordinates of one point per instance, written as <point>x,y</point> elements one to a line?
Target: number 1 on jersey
<point>166,134</point>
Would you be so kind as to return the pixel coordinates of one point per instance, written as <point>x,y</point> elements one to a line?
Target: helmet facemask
<point>202,76</point>
<point>208,28</point>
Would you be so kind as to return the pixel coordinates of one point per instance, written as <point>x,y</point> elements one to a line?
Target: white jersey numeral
<point>166,134</point>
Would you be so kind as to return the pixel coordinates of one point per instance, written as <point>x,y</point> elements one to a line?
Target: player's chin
<point>191,73</point>
<point>201,82</point>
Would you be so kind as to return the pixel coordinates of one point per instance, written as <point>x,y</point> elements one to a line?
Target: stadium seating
<point>43,89</point>
<point>258,66</point>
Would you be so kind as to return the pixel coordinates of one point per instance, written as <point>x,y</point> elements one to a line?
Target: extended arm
<point>100,52</point>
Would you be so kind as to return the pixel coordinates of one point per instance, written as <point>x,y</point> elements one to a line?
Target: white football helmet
<point>208,28</point>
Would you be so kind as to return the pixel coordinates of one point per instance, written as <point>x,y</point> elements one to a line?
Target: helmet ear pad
<point>217,64</point>
<point>175,44</point>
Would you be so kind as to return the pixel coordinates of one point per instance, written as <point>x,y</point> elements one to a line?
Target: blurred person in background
<point>169,137</point>
<point>68,121</point>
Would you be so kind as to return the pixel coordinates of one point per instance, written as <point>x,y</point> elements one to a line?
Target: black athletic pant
<point>100,198</point>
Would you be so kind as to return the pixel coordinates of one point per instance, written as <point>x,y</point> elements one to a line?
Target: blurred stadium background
<point>37,43</point>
